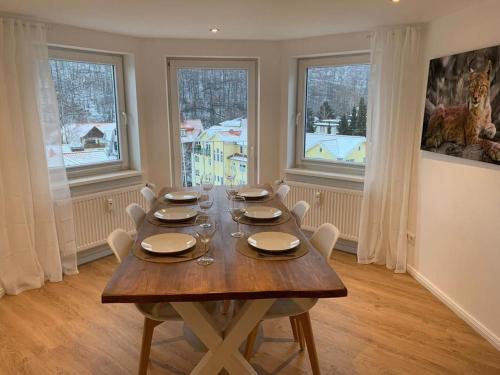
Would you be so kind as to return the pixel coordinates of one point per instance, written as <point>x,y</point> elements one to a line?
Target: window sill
<point>326,175</point>
<point>105,181</point>
<point>105,177</point>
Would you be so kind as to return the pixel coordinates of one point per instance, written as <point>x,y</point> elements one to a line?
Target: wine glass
<point>205,228</point>
<point>231,175</point>
<point>207,182</point>
<point>231,191</point>
<point>205,202</point>
<point>238,209</point>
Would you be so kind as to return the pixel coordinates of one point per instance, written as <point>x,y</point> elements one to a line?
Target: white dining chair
<point>149,195</point>
<point>299,210</point>
<point>136,213</point>
<point>282,191</point>
<point>120,243</point>
<point>154,313</point>
<point>297,309</point>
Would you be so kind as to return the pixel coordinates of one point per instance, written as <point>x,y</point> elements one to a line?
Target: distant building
<point>94,138</point>
<point>90,143</point>
<point>221,150</point>
<point>239,163</point>
<point>190,130</point>
<point>327,126</point>
<point>347,148</point>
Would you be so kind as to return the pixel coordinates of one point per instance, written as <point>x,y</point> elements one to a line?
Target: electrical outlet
<point>410,238</point>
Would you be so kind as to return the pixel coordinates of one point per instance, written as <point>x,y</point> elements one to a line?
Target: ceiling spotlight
<point>395,1</point>
<point>214,30</point>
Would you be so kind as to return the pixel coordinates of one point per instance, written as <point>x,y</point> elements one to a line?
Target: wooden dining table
<point>232,276</point>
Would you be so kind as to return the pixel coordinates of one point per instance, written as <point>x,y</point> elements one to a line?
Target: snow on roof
<point>339,145</point>
<point>192,128</point>
<point>229,131</point>
<point>239,122</point>
<point>238,157</point>
<point>80,130</point>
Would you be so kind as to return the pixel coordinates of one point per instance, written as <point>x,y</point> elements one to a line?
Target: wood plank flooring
<point>388,324</point>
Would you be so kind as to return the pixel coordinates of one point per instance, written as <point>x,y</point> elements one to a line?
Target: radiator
<point>97,215</point>
<point>340,207</point>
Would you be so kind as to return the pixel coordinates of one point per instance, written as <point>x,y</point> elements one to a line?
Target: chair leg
<point>251,342</point>
<point>147,337</point>
<point>293,323</point>
<point>300,334</point>
<point>305,326</point>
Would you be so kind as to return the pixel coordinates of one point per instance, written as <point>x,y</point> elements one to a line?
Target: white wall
<point>149,57</point>
<point>458,211</point>
<point>155,52</point>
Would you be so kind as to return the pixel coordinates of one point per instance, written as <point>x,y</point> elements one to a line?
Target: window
<point>332,107</point>
<point>214,101</point>
<point>90,95</point>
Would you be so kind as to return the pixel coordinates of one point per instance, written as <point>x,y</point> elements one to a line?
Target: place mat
<point>267,198</point>
<point>244,248</point>
<point>194,202</point>
<point>197,251</point>
<point>173,224</point>
<point>283,218</point>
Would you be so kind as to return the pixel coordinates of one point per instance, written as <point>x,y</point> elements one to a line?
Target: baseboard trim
<point>95,253</point>
<point>456,308</point>
<point>347,246</point>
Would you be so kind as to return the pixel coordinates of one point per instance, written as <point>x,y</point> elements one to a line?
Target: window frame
<point>66,54</point>
<point>301,162</point>
<point>251,65</point>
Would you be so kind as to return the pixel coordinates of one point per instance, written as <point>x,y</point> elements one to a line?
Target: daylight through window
<point>88,96</point>
<point>213,115</point>
<point>334,95</point>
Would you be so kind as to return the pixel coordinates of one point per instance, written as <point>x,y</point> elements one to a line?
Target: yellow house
<point>336,147</point>
<point>221,151</point>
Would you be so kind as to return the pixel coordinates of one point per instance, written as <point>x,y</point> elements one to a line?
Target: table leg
<point>223,346</point>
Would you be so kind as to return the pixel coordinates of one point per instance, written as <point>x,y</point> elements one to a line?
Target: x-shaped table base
<point>223,346</point>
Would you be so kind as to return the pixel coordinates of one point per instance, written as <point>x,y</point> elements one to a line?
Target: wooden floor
<point>389,324</point>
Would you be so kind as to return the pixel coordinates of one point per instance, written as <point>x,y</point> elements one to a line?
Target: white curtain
<point>395,92</point>
<point>37,235</point>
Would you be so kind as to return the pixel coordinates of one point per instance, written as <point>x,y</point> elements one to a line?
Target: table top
<point>231,276</point>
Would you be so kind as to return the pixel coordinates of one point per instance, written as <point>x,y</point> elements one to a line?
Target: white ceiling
<point>237,19</point>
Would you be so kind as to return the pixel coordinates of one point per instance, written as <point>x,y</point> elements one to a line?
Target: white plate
<point>168,243</point>
<point>175,214</point>
<point>182,196</point>
<point>262,212</point>
<point>273,241</point>
<point>253,193</point>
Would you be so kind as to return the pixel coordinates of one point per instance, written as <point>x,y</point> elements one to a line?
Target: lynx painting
<point>462,108</point>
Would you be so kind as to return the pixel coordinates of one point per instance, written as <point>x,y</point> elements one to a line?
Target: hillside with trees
<point>338,93</point>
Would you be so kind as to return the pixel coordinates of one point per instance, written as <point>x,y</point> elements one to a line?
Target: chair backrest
<point>325,238</point>
<point>136,213</point>
<point>283,191</point>
<point>149,195</point>
<point>299,210</point>
<point>120,242</point>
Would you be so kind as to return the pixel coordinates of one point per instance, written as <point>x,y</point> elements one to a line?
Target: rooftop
<point>338,145</point>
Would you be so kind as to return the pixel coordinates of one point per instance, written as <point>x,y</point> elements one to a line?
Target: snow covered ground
<point>89,156</point>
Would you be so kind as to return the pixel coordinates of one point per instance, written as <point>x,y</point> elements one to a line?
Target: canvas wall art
<point>462,108</point>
